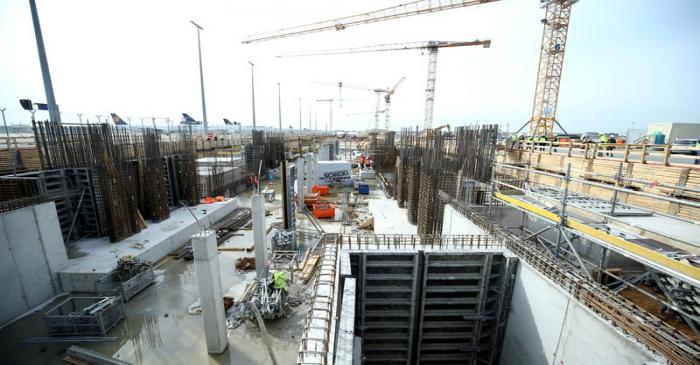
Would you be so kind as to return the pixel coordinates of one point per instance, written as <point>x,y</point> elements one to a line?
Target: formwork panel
<point>430,307</point>
<point>386,306</point>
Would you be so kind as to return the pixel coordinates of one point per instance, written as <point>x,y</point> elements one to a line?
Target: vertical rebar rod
<point>562,213</point>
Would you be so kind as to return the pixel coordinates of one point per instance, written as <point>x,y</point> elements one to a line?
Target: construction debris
<point>245,263</point>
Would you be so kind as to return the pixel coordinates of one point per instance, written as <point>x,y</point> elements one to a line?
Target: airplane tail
<point>227,122</point>
<point>189,120</point>
<point>117,119</point>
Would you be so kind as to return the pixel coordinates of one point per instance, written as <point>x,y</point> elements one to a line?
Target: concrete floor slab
<point>96,257</point>
<point>158,330</point>
<point>388,217</point>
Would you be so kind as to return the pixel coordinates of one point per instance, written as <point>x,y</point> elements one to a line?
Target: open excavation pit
<point>467,299</point>
<point>431,307</point>
<point>410,300</point>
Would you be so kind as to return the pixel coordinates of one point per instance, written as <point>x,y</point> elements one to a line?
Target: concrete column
<point>300,179</point>
<point>259,234</point>
<point>309,172</point>
<point>316,177</point>
<point>211,296</point>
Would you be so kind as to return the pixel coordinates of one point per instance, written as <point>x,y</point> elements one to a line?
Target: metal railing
<point>419,242</point>
<point>644,153</point>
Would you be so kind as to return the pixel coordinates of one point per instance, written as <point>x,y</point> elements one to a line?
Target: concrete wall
<point>31,253</point>
<point>547,326</point>
<point>674,131</point>
<point>455,223</point>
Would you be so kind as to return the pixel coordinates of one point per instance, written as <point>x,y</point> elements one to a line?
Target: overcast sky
<point>628,61</point>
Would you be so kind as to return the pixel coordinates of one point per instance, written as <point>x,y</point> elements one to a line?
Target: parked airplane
<point>187,120</point>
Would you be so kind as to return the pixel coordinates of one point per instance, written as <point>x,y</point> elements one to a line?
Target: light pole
<point>279,103</point>
<point>299,115</point>
<point>80,117</point>
<point>4,122</point>
<point>48,86</point>
<point>205,130</point>
<point>99,118</point>
<point>14,151</point>
<point>252,88</point>
<point>7,131</point>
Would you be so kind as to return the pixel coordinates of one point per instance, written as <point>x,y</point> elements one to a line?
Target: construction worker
<point>602,139</point>
<point>541,142</point>
<point>611,145</point>
<point>511,142</point>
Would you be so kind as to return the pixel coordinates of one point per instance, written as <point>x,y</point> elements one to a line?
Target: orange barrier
<point>210,200</point>
<point>321,189</point>
<point>324,210</point>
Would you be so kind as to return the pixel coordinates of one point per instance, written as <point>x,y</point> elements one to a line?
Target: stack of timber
<point>679,181</point>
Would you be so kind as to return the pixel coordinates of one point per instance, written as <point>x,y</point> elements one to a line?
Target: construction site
<point>463,243</point>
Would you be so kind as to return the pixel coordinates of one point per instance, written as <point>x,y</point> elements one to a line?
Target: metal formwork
<point>386,310</point>
<point>431,307</point>
<point>462,302</point>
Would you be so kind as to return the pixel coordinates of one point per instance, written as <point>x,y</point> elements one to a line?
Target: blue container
<point>363,189</point>
<point>659,138</point>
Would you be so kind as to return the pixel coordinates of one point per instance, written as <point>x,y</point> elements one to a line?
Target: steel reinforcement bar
<point>316,340</point>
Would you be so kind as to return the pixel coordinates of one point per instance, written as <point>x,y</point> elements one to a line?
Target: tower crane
<point>387,103</point>
<point>432,48</point>
<point>374,113</point>
<point>330,108</point>
<point>554,35</point>
<point>544,105</point>
<point>340,89</point>
<point>389,91</point>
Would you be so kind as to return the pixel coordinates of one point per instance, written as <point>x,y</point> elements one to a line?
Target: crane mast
<point>430,88</point>
<point>330,110</point>
<point>544,105</point>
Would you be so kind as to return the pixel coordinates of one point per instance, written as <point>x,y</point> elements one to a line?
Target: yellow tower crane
<point>544,105</point>
<point>556,26</point>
